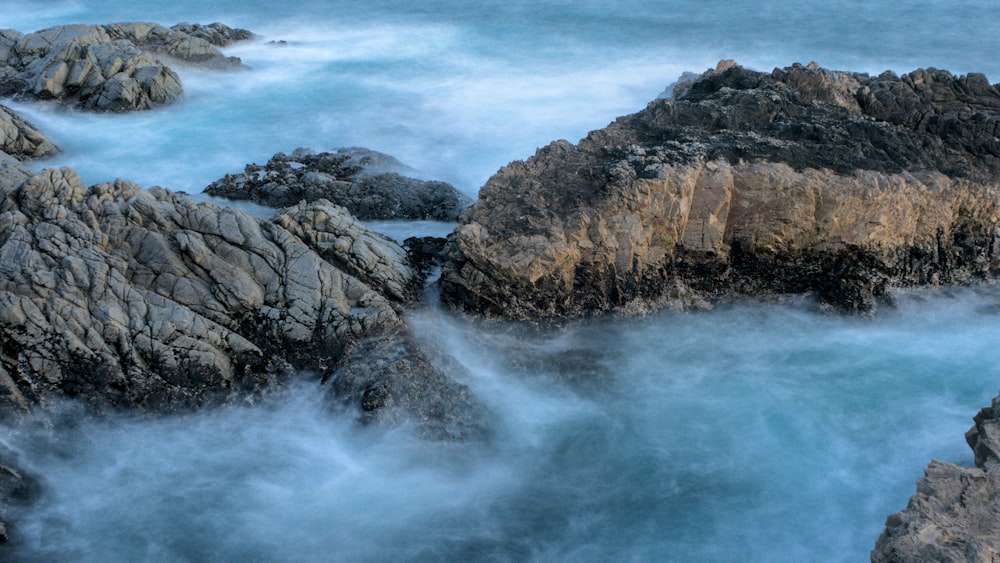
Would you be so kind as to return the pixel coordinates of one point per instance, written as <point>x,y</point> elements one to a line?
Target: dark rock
<point>394,380</point>
<point>217,34</point>
<point>17,488</point>
<point>425,253</point>
<point>364,182</point>
<point>802,180</point>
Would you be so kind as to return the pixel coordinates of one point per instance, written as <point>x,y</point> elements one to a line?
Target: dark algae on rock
<point>802,180</point>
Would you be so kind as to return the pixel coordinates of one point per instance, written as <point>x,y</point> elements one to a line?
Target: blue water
<point>755,432</point>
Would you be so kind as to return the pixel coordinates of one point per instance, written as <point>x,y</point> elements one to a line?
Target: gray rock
<point>354,178</point>
<point>126,298</point>
<point>217,34</point>
<point>955,514</point>
<point>102,68</point>
<point>802,180</point>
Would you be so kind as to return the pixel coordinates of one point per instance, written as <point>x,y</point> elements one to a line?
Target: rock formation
<point>20,139</point>
<point>102,67</point>
<point>124,297</point>
<point>365,182</point>
<point>955,514</point>
<point>217,34</point>
<point>399,381</point>
<point>802,180</point>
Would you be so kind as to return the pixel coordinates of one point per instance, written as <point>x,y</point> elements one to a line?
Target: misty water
<point>753,432</point>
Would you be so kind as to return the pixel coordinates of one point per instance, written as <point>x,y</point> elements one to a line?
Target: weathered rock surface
<point>127,298</point>
<point>803,180</point>
<point>101,67</point>
<point>955,514</point>
<point>362,181</point>
<point>21,139</point>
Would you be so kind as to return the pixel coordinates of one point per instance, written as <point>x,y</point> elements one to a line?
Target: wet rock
<point>363,181</point>
<point>955,513</point>
<point>102,67</point>
<point>120,297</point>
<point>21,139</point>
<point>802,180</point>
<point>17,488</point>
<point>394,380</point>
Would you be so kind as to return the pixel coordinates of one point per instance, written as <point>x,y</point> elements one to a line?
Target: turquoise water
<point>755,432</point>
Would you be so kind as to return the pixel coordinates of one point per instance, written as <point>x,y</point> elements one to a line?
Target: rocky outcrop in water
<point>802,180</point>
<point>365,182</point>
<point>218,34</point>
<point>127,298</point>
<point>398,381</point>
<point>21,139</point>
<point>102,67</point>
<point>955,514</point>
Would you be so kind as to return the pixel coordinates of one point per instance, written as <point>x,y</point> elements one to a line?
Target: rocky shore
<point>800,181</point>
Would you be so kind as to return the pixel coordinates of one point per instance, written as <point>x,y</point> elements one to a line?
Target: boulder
<point>125,298</point>
<point>102,67</point>
<point>955,514</point>
<point>802,180</point>
<point>363,181</point>
<point>21,139</point>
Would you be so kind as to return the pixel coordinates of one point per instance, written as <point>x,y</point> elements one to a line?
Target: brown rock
<point>746,183</point>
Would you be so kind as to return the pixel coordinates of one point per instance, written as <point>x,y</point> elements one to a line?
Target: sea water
<point>754,432</point>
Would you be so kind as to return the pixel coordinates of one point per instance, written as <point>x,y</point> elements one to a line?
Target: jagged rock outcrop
<point>102,67</point>
<point>21,139</point>
<point>955,514</point>
<point>127,298</point>
<point>365,182</point>
<point>217,34</point>
<point>802,180</point>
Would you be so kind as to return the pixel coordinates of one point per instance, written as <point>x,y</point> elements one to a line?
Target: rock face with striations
<point>21,139</point>
<point>102,67</point>
<point>128,298</point>
<point>363,181</point>
<point>802,180</point>
<point>955,514</point>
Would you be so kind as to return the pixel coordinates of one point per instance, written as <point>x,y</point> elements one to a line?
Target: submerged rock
<point>803,180</point>
<point>21,139</point>
<point>363,181</point>
<point>955,514</point>
<point>102,67</point>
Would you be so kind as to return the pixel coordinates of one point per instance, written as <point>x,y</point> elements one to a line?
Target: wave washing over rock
<point>802,180</point>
